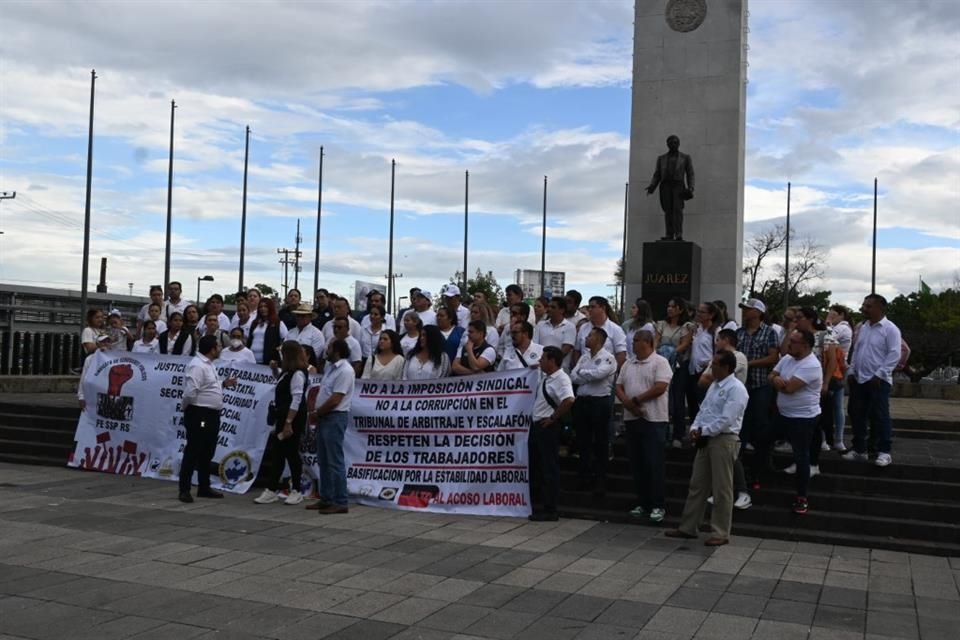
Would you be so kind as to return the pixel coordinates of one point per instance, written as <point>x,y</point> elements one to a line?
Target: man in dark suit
<point>672,169</point>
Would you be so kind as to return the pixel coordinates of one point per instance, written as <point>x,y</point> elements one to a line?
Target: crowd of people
<point>694,378</point>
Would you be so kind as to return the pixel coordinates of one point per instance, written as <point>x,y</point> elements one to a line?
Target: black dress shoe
<point>678,238</point>
<point>667,238</point>
<point>185,497</point>
<point>544,516</point>
<point>209,494</point>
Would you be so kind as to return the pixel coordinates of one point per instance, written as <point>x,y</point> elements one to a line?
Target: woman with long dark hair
<point>176,340</point>
<point>412,329</point>
<point>641,319</point>
<point>267,333</point>
<point>451,331</point>
<point>93,330</point>
<point>371,328</point>
<point>428,360</point>
<point>386,362</point>
<point>674,337</point>
<point>289,421</point>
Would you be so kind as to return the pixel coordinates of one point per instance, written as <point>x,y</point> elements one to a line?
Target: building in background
<point>529,281</point>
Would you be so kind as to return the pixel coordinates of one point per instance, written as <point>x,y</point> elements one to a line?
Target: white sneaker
<point>814,470</point>
<point>638,512</point>
<point>839,448</point>
<point>678,444</point>
<point>824,446</point>
<point>657,515</point>
<point>267,497</point>
<point>853,456</point>
<point>710,500</point>
<point>783,447</point>
<point>743,501</point>
<point>883,460</point>
<point>792,469</point>
<point>750,447</point>
<point>295,497</point>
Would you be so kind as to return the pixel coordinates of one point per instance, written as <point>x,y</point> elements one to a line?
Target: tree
<point>265,289</point>
<point>806,266</point>
<point>618,273</point>
<point>760,246</point>
<point>930,323</point>
<point>484,283</point>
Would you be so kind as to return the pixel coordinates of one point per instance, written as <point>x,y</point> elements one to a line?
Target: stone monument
<point>689,80</point>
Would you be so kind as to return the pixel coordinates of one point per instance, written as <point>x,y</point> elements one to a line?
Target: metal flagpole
<point>873,269</point>
<point>543,242</point>
<point>243,213</point>
<point>466,226</point>
<point>786,266</point>
<point>393,174</point>
<point>316,263</point>
<point>623,256</point>
<point>86,213</point>
<point>166,255</point>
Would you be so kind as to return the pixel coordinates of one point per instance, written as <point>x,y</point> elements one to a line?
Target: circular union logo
<point>686,15</point>
<point>235,468</point>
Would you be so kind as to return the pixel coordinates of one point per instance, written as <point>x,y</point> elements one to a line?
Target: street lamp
<point>199,280</point>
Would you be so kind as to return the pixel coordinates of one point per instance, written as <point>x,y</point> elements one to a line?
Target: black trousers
<point>591,419</point>
<point>543,446</point>
<point>645,448</point>
<point>286,450</point>
<point>203,429</point>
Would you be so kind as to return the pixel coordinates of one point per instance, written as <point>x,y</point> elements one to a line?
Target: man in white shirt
<point>523,353</point>
<point>340,332</point>
<point>423,305</point>
<point>593,373</point>
<point>331,408</point>
<point>573,313</point>
<point>616,343</point>
<point>797,379</point>
<point>715,432</point>
<point>305,332</point>
<point>341,309</point>
<point>642,388</point>
<point>452,298</point>
<point>556,331</point>
<point>553,400</point>
<point>202,402</point>
<point>875,353</point>
<point>514,296</point>
<point>215,305</point>
<point>174,301</point>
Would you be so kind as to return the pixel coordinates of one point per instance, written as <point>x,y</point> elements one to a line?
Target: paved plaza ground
<point>86,555</point>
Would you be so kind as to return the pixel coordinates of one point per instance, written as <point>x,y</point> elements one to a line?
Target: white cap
<point>115,312</point>
<point>423,292</point>
<point>754,303</point>
<point>451,290</point>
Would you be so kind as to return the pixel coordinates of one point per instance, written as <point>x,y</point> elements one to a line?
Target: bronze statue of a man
<point>672,169</point>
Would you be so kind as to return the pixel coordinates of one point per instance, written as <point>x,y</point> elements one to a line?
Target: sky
<point>839,93</point>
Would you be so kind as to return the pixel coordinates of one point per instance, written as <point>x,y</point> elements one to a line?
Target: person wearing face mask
<point>238,351</point>
<point>148,342</point>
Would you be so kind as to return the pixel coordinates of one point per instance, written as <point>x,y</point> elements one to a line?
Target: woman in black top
<point>289,422</point>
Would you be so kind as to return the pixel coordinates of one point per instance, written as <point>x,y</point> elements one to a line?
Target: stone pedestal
<point>689,79</point>
<point>670,270</point>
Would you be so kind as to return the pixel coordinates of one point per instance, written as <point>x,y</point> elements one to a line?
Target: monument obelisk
<point>689,81</point>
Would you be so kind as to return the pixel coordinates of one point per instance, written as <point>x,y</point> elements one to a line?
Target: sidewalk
<point>85,555</point>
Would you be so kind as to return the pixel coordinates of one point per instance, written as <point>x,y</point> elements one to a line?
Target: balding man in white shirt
<point>874,355</point>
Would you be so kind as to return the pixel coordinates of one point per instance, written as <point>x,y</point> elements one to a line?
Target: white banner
<point>454,445</point>
<point>133,421</point>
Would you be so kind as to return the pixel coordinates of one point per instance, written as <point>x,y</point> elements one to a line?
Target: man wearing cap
<point>422,304</point>
<point>452,298</point>
<point>305,333</point>
<point>758,341</point>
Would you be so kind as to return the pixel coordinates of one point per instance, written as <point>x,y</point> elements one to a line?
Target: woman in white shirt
<point>93,330</point>
<point>428,360</point>
<point>148,342</point>
<point>386,363</point>
<point>371,330</point>
<point>413,328</point>
<point>267,333</point>
<point>242,318</point>
<point>238,351</point>
<point>641,319</point>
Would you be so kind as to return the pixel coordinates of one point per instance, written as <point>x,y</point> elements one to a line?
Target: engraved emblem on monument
<point>686,15</point>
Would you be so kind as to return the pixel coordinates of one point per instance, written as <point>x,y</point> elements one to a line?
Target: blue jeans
<point>333,470</point>
<point>870,401</point>
<point>839,419</point>
<point>801,432</point>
